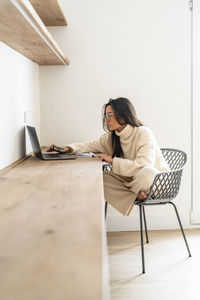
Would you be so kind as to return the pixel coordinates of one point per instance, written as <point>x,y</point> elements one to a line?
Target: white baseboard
<point>156,220</point>
<point>194,217</point>
<point>131,223</point>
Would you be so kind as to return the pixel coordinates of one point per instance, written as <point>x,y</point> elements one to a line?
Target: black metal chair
<point>164,189</point>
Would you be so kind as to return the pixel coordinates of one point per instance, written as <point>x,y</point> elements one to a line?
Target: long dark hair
<point>124,114</point>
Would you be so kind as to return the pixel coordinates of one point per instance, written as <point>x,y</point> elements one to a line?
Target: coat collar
<point>126,132</point>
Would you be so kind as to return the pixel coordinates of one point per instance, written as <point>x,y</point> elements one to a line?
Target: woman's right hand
<point>53,147</point>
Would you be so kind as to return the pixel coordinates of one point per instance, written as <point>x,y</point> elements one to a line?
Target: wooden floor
<point>170,273</point>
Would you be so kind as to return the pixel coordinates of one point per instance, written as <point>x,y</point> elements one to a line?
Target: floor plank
<point>170,273</point>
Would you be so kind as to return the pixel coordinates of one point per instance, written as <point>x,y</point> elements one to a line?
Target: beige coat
<point>135,172</point>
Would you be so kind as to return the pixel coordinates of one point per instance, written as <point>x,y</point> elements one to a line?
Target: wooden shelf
<point>49,12</point>
<point>23,30</point>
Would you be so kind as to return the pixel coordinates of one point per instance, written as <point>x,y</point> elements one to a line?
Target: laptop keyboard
<point>51,155</point>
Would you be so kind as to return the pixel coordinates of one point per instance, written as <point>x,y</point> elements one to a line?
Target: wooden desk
<point>52,239</point>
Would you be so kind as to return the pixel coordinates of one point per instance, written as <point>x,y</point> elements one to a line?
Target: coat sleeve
<point>101,145</point>
<point>145,156</point>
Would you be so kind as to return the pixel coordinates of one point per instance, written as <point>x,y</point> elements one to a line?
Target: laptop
<point>37,149</point>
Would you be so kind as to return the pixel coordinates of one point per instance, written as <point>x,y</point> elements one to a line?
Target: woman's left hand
<point>105,157</point>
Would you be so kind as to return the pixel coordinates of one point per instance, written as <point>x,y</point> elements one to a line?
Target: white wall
<point>136,49</point>
<point>19,92</point>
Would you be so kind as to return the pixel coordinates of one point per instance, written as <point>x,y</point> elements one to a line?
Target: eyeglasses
<point>108,115</point>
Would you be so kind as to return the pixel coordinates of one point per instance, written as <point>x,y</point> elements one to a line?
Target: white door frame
<point>195,97</point>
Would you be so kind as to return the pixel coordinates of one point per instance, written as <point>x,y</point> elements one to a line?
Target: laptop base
<point>59,156</point>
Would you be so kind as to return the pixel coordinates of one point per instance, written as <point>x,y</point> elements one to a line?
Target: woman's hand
<point>63,149</point>
<point>105,157</point>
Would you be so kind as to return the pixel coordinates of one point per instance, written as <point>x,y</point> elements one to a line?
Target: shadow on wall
<point>20,139</point>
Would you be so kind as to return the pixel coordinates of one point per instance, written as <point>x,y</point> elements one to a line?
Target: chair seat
<point>152,202</point>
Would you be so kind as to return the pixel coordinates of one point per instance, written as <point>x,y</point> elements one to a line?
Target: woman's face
<point>111,120</point>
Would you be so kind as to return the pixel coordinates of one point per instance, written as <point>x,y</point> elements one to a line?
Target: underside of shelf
<point>22,29</point>
<point>49,12</point>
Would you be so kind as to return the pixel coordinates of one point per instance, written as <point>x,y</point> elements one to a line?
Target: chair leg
<point>142,242</point>
<point>106,206</point>
<point>179,220</point>
<point>145,225</point>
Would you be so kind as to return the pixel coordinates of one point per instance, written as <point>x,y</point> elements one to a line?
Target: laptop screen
<point>34,141</point>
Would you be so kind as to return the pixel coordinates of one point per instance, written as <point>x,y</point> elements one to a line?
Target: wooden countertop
<point>51,229</point>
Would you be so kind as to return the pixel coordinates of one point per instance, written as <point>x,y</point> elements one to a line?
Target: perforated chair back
<point>176,159</point>
<point>166,185</point>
